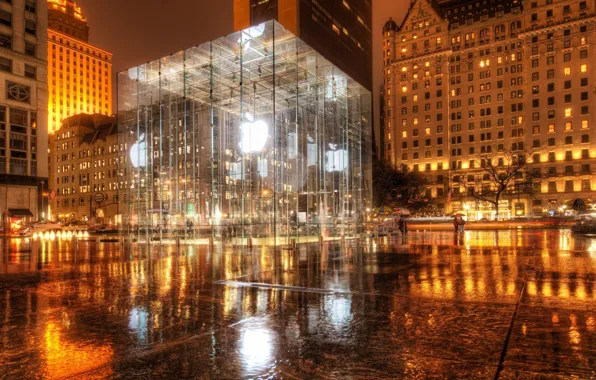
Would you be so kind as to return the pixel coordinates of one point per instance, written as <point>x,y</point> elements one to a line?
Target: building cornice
<point>556,26</point>
<point>422,56</point>
<point>66,36</point>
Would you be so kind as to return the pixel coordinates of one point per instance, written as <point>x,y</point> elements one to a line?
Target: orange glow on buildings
<point>79,74</point>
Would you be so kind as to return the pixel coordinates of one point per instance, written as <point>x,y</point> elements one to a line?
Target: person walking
<point>403,228</point>
<point>461,224</point>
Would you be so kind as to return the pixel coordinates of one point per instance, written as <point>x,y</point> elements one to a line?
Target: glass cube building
<point>253,135</point>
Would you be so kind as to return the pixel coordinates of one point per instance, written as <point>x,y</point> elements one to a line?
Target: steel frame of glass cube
<point>252,135</point>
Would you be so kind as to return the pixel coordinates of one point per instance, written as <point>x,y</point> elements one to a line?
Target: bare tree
<point>498,171</point>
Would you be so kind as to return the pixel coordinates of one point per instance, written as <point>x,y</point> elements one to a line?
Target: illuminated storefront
<point>251,135</point>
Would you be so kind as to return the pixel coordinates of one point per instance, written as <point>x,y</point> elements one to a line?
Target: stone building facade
<point>87,169</point>
<point>463,79</point>
<point>23,111</point>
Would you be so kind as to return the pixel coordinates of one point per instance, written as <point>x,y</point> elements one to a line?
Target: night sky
<point>137,31</point>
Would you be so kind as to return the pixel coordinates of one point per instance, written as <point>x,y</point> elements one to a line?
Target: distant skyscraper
<point>340,29</point>
<point>23,110</point>
<point>79,74</point>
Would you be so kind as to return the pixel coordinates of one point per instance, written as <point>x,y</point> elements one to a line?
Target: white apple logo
<point>336,160</point>
<point>253,134</point>
<point>138,153</point>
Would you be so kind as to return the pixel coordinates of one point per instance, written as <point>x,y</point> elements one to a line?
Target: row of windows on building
<point>469,39</point>
<point>533,173</point>
<point>85,179</point>
<point>6,65</point>
<point>6,19</point>
<point>515,68</point>
<point>515,132</point>
<point>6,43</point>
<point>67,55</point>
<point>70,190</point>
<point>80,47</point>
<point>485,137</point>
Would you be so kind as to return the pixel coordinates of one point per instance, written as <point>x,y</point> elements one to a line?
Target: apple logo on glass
<point>138,153</point>
<point>253,134</point>
<point>336,160</point>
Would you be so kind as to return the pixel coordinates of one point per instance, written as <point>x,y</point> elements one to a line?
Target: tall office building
<point>23,109</point>
<point>467,78</point>
<point>80,74</point>
<point>339,29</point>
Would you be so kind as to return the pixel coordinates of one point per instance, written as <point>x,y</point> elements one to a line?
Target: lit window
<point>583,68</point>
<point>427,64</point>
<point>404,69</point>
<point>403,50</point>
<point>335,28</point>
<point>567,112</point>
<point>551,128</point>
<point>513,57</point>
<point>427,131</point>
<point>404,89</point>
<point>403,122</point>
<point>389,136</point>
<point>415,121</point>
<point>568,126</point>
<point>567,70</point>
<point>346,4</point>
<point>438,40</point>
<point>584,124</point>
<point>415,98</point>
<point>404,134</point>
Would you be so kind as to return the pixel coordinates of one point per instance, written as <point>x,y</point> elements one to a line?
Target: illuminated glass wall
<point>253,135</point>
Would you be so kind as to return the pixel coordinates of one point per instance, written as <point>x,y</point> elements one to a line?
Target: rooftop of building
<point>456,11</point>
<point>390,26</point>
<point>95,127</point>
<point>67,7</point>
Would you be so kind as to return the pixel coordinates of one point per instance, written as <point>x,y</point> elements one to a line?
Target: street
<point>490,304</point>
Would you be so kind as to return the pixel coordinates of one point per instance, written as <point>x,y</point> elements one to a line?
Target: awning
<point>19,212</point>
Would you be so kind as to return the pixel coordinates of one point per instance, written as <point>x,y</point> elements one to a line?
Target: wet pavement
<point>508,304</point>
